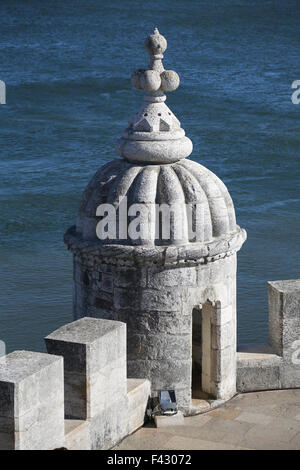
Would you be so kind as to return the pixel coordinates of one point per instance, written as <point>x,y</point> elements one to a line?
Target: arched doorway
<point>202,351</point>
<point>197,353</point>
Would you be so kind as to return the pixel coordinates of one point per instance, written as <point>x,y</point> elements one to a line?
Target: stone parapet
<point>275,365</point>
<point>77,396</point>
<point>31,401</point>
<point>94,353</point>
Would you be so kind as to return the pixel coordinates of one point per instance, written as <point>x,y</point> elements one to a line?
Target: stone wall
<point>156,302</point>
<point>77,396</point>
<point>275,365</point>
<point>31,401</point>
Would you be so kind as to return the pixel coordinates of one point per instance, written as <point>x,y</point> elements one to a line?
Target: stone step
<point>77,434</point>
<point>138,392</point>
<point>162,421</point>
<point>258,368</point>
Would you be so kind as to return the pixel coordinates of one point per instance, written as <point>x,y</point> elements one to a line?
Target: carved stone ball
<point>150,81</point>
<point>156,43</point>
<point>169,80</point>
<point>135,78</point>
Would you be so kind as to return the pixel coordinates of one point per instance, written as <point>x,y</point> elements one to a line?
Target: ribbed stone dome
<point>180,184</point>
<point>154,195</point>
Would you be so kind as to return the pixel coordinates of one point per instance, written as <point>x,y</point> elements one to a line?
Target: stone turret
<point>155,246</point>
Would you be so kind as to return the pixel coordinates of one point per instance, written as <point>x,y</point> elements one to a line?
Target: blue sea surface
<point>67,68</point>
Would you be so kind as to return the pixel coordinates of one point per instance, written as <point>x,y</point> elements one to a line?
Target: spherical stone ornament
<point>136,78</point>
<point>150,81</point>
<point>169,80</point>
<point>156,43</point>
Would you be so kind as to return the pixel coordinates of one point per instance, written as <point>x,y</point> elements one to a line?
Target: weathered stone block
<point>80,293</point>
<point>289,375</point>
<point>100,300</point>
<point>221,269</point>
<point>162,374</point>
<point>107,283</point>
<point>174,324</point>
<point>106,385</point>
<point>258,368</point>
<point>264,377</point>
<point>80,273</point>
<point>110,425</point>
<point>223,336</point>
<point>159,346</point>
<point>95,312</point>
<point>221,316</point>
<point>202,275</point>
<point>31,401</point>
<point>219,292</point>
<point>223,363</point>
<point>94,352</point>
<point>162,421</point>
<point>219,246</point>
<point>171,374</point>
<point>6,396</point>
<point>165,300</point>
<point>184,399</point>
<point>77,434</point>
<point>172,277</point>
<point>275,319</point>
<point>105,268</point>
<point>284,315</point>
<point>79,308</point>
<point>124,298</point>
<point>225,389</point>
<point>191,297</point>
<point>130,277</point>
<point>138,393</point>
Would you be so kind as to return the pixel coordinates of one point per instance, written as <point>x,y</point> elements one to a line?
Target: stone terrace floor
<point>258,420</point>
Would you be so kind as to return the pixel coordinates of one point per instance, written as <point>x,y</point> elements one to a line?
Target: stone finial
<point>156,43</point>
<point>156,78</point>
<point>154,134</point>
